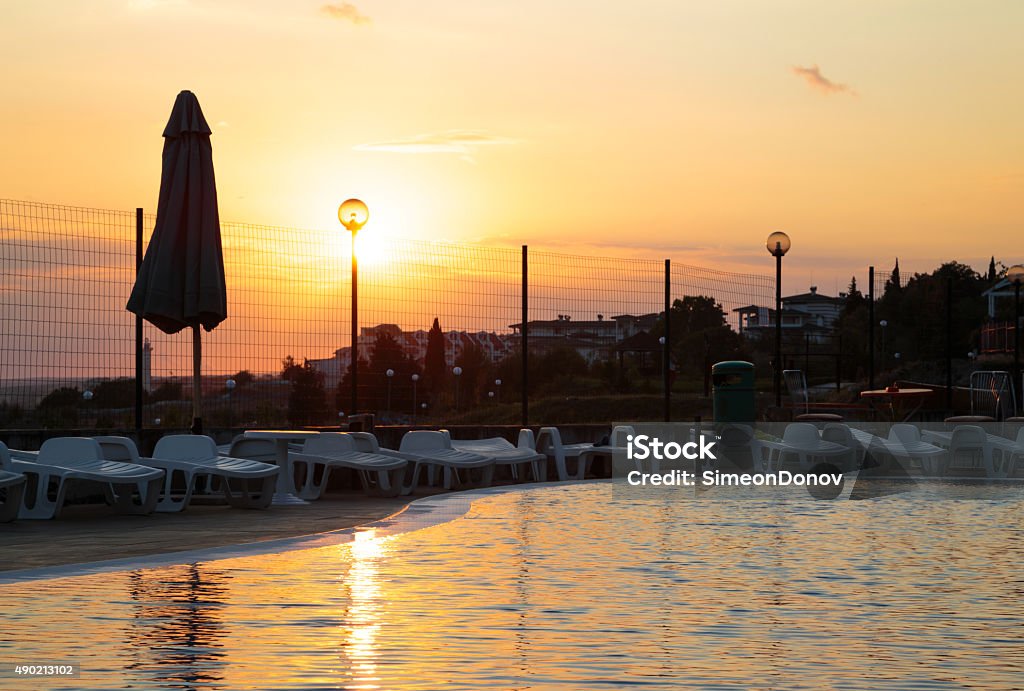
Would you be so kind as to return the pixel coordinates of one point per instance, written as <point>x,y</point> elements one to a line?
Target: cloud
<point>345,11</point>
<point>461,142</point>
<point>816,80</point>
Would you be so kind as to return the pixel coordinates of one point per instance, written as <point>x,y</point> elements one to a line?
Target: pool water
<point>568,587</point>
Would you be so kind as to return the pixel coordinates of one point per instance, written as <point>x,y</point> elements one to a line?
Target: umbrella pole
<point>197,382</point>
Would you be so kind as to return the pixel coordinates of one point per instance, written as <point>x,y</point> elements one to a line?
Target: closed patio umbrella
<point>181,281</point>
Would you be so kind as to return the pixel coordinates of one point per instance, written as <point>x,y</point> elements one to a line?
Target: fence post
<point>525,347</point>
<point>138,331</point>
<point>667,348</point>
<point>807,356</point>
<point>949,345</point>
<point>871,327</point>
<point>839,364</point>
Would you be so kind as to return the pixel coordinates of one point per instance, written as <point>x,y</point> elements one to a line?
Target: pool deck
<point>89,533</point>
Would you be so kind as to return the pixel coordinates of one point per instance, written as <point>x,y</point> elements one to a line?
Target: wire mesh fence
<point>440,337</point>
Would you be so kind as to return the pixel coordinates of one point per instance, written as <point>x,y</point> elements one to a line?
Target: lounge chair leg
<point>15,495</point>
<point>414,470</point>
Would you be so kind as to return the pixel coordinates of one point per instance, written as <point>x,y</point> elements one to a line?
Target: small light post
<point>415,381</point>
<point>86,397</point>
<point>883,323</point>
<point>229,387</point>
<point>353,214</point>
<point>778,243</point>
<point>1015,274</point>
<point>497,389</point>
<point>390,374</point>
<point>458,375</point>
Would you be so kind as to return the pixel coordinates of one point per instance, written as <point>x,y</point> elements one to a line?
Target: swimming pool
<point>567,587</point>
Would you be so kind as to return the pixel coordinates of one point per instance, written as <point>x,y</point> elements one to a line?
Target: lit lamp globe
<point>457,371</point>
<point>230,384</point>
<point>415,377</point>
<point>1015,274</point>
<point>87,395</point>
<point>778,244</point>
<point>390,373</point>
<point>353,214</point>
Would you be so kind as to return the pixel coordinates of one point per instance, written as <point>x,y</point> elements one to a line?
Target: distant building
<point>594,340</point>
<point>809,314</point>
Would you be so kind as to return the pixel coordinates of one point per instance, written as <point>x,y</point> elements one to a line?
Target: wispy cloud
<point>461,142</point>
<point>819,82</point>
<point>345,11</point>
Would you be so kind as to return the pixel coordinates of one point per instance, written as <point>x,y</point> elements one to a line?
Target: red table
<point>896,399</point>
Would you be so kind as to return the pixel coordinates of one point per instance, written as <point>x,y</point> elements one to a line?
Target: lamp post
<point>1016,276</point>
<point>497,389</point>
<point>415,380</point>
<point>778,244</point>
<point>390,374</point>
<point>458,373</point>
<point>353,214</point>
<point>883,324</point>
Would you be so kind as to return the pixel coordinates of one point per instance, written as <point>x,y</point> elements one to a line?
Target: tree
<point>64,397</point>
<point>243,378</point>
<point>434,365</point>
<point>388,354</point>
<point>476,369</point>
<point>289,368</point>
<point>894,282</point>
<point>700,333</point>
<point>307,404</point>
<point>167,391</point>
<point>117,393</point>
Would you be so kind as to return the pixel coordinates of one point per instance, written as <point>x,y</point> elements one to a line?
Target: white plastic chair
<point>12,487</point>
<point>549,443</point>
<point>186,459</point>
<point>380,475</point>
<point>801,441</point>
<point>64,461</point>
<point>972,442</point>
<point>841,434</point>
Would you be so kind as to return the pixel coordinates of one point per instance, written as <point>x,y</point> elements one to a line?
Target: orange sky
<point>658,128</point>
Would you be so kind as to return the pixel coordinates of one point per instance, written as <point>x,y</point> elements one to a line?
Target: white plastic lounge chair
<point>801,442</point>
<point>969,442</point>
<point>431,450</point>
<point>549,442</point>
<point>12,487</point>
<point>186,459</point>
<point>1012,451</point>
<point>63,461</point>
<point>380,475</point>
<point>522,455</point>
<point>905,442</point>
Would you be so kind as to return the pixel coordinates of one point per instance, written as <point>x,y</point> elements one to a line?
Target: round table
<point>286,494</point>
<point>897,398</point>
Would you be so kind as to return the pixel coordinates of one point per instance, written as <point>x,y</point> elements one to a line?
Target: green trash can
<point>733,394</point>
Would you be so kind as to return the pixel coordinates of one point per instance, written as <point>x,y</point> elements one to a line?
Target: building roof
<point>812,296</point>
